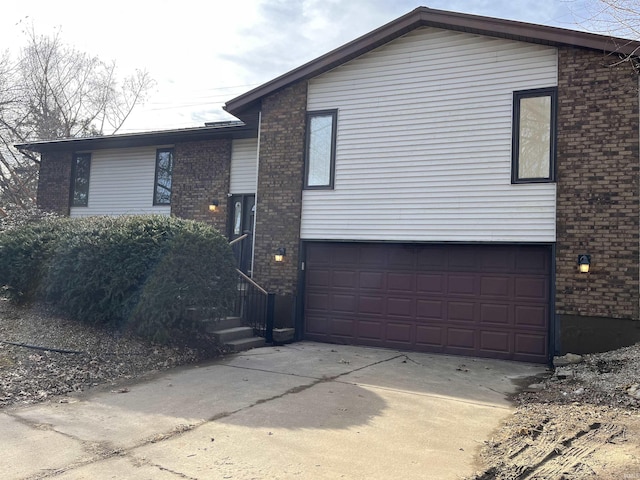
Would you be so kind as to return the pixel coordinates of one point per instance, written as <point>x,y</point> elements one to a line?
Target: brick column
<point>54,182</point>
<point>598,205</point>
<point>279,196</point>
<point>202,173</point>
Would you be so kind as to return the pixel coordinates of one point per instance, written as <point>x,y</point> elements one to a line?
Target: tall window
<point>534,135</point>
<point>80,179</point>
<point>164,171</point>
<point>320,149</point>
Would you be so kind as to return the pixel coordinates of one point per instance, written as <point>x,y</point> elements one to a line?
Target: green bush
<point>25,250</point>
<point>142,273</point>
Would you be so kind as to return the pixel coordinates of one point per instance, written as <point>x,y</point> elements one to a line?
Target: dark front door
<point>241,222</point>
<point>477,300</point>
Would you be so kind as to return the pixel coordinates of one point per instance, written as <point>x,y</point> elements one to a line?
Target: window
<point>164,171</point>
<point>534,136</point>
<point>80,180</point>
<point>320,149</point>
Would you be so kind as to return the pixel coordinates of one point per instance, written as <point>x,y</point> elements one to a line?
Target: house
<point>432,185</point>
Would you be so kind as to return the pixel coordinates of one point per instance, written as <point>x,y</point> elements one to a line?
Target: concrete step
<point>222,324</point>
<point>243,344</point>
<point>229,334</point>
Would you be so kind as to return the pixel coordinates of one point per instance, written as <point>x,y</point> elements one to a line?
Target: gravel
<point>43,355</point>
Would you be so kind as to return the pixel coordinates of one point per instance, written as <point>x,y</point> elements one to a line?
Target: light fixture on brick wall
<point>213,206</point>
<point>584,262</point>
<point>280,254</point>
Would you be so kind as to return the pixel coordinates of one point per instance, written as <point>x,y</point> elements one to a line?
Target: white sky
<point>204,53</point>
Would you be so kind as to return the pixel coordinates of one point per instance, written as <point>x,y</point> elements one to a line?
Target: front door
<point>242,210</point>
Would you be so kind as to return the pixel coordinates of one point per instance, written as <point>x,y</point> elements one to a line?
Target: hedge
<point>142,273</point>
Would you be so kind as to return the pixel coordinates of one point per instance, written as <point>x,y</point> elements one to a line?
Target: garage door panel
<point>318,278</point>
<point>402,282</point>
<point>431,283</point>
<point>531,288</point>
<point>495,260</point>
<point>462,284</point>
<point>372,256</point>
<point>432,257</point>
<point>344,279</point>
<point>532,261</point>
<point>460,338</point>
<point>496,286</point>
<point>372,280</point>
<point>401,258</point>
<point>465,258</point>
<point>530,344</point>
<point>371,330</point>
<point>344,303</point>
<point>432,336</point>
<point>399,332</point>
<point>531,316</point>
<point>495,341</point>
<point>426,309</point>
<point>316,324</point>
<point>344,327</point>
<point>318,302</point>
<point>401,307</point>
<point>461,311</point>
<point>371,305</point>
<point>495,314</point>
<point>482,300</point>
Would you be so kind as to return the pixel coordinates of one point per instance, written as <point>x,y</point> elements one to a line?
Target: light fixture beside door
<point>584,263</point>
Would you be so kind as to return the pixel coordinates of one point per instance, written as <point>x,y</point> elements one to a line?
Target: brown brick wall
<point>54,182</point>
<point>201,173</point>
<point>597,197</point>
<point>279,195</point>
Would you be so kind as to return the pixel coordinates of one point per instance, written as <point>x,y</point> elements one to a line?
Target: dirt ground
<point>580,421</point>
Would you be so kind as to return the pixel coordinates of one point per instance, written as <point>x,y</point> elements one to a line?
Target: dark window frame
<point>551,92</point>
<point>157,201</point>
<point>334,127</point>
<point>74,201</point>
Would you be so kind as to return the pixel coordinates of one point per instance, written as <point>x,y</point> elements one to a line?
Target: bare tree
<point>54,91</point>
<point>618,18</point>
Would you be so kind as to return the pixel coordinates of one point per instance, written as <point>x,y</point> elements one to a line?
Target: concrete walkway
<point>303,411</point>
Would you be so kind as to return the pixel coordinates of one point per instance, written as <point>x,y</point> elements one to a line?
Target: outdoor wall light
<point>280,254</point>
<point>584,262</point>
<point>213,206</point>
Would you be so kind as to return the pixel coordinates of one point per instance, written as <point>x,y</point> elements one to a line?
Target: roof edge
<point>233,129</point>
<point>424,16</point>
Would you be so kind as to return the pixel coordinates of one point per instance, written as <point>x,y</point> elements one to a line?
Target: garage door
<point>477,300</point>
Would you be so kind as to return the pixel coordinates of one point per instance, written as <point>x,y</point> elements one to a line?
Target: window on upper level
<point>80,170</point>
<point>534,136</point>
<point>320,149</point>
<point>164,172</point>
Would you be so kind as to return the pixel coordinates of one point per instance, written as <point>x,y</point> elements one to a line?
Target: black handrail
<point>255,306</point>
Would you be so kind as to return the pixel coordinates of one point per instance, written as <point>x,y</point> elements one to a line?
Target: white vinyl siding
<point>121,183</point>
<point>244,166</point>
<point>424,143</point>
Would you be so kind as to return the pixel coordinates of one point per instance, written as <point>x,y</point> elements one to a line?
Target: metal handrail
<point>251,281</point>
<point>239,239</point>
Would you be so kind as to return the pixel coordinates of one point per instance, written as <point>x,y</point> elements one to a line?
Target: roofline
<point>236,129</point>
<point>427,17</point>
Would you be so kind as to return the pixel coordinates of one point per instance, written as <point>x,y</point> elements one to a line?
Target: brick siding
<point>54,182</point>
<point>597,198</point>
<point>201,173</point>
<point>279,196</point>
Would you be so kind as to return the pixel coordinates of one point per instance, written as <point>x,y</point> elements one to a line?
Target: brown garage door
<point>477,300</point>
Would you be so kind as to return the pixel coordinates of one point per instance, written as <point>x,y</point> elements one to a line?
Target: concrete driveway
<point>303,411</point>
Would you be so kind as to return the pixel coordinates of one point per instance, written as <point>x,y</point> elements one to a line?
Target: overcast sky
<point>204,53</point>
